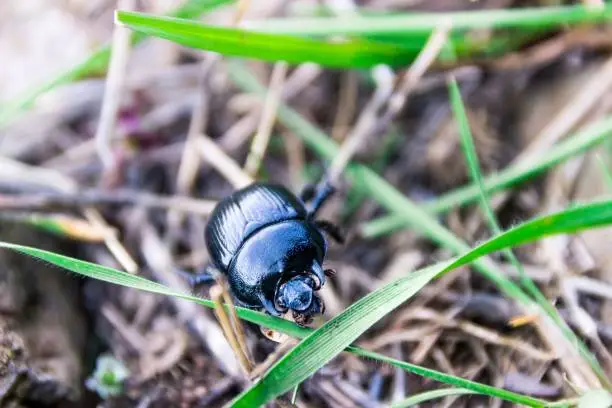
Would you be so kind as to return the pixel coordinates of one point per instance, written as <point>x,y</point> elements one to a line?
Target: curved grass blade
<point>96,63</point>
<point>334,336</point>
<point>477,388</point>
<point>114,276</point>
<point>471,156</point>
<point>473,164</point>
<point>61,225</point>
<point>117,277</point>
<point>511,176</point>
<point>430,395</point>
<point>419,23</point>
<point>269,47</point>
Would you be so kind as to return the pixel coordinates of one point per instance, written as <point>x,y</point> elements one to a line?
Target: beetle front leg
<point>308,192</point>
<point>207,275</point>
<point>317,195</point>
<point>332,230</point>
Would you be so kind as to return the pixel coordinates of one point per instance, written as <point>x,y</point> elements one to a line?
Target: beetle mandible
<point>271,248</point>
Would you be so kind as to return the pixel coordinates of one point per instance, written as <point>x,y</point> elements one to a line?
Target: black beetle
<point>271,248</point>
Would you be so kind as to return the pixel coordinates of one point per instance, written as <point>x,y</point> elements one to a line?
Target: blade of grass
<point>121,278</point>
<point>373,306</point>
<point>605,171</point>
<point>430,395</point>
<point>419,23</point>
<point>467,143</point>
<point>268,47</point>
<point>513,175</point>
<point>96,63</point>
<point>64,226</point>
<point>469,151</point>
<point>320,346</point>
<point>477,388</point>
<point>388,197</point>
<point>355,198</point>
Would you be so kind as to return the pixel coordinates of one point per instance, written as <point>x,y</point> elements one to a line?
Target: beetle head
<point>298,294</point>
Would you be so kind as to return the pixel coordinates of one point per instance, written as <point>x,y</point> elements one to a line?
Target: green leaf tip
<point>268,47</point>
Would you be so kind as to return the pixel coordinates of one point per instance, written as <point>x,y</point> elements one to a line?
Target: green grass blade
<point>269,47</point>
<point>430,395</point>
<point>96,63</point>
<point>419,23</point>
<point>604,171</point>
<point>469,151</point>
<point>477,388</point>
<point>117,277</point>
<point>337,334</point>
<point>332,338</point>
<point>511,176</point>
<point>195,8</point>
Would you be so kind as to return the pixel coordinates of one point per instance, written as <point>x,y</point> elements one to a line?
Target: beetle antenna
<point>330,273</point>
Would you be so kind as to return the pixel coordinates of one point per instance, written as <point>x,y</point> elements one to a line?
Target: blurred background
<point>132,190</point>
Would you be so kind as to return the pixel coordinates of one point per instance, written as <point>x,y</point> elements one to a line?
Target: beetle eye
<point>317,282</point>
<point>318,275</point>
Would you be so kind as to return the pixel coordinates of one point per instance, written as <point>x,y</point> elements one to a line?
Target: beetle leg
<point>330,273</point>
<point>332,229</point>
<point>198,278</point>
<point>308,192</point>
<point>319,305</point>
<point>323,192</point>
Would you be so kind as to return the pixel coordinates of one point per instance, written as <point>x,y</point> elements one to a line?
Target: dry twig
<point>262,137</point>
<point>224,164</point>
<point>391,100</point>
<point>70,200</point>
<point>160,261</point>
<point>114,86</point>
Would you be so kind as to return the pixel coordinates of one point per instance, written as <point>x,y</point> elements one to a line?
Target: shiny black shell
<point>259,236</point>
<point>244,212</point>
